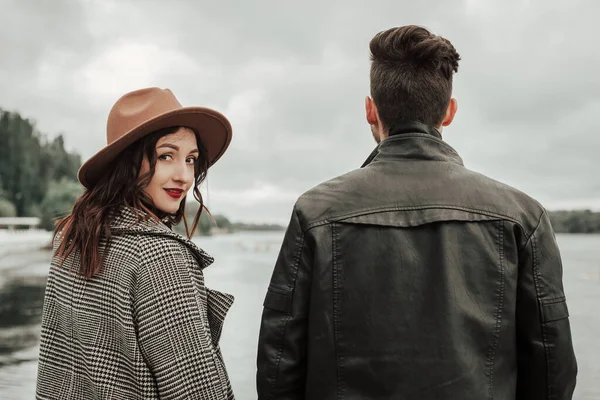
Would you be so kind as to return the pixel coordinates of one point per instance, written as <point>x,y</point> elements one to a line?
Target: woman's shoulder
<point>154,240</point>
<point>143,243</point>
<point>154,247</point>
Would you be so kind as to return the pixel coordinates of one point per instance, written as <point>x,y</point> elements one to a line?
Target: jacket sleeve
<point>547,367</point>
<point>173,333</point>
<point>282,339</point>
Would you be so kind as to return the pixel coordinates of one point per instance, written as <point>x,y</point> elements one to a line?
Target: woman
<point>126,313</point>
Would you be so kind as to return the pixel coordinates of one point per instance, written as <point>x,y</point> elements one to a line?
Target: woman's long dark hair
<point>89,221</point>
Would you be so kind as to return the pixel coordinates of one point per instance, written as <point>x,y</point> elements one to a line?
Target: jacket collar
<point>413,127</point>
<point>127,220</point>
<point>413,140</point>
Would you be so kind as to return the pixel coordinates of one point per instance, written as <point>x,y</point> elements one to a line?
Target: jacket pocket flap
<point>554,310</point>
<point>278,301</point>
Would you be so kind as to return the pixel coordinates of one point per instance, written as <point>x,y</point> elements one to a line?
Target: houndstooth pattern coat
<point>146,327</point>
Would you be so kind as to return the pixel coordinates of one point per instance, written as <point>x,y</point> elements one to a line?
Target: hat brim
<point>211,126</point>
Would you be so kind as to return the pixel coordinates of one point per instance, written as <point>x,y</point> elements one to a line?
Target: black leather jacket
<point>416,278</point>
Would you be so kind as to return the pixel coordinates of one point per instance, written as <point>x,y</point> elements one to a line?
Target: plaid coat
<point>146,327</point>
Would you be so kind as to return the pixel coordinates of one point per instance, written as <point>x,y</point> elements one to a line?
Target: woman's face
<point>176,155</point>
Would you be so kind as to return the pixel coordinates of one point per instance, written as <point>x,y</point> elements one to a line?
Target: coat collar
<point>412,140</point>
<point>413,127</point>
<point>127,220</point>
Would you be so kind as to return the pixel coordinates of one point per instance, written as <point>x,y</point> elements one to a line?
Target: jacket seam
<point>299,246</point>
<point>498,311</point>
<point>336,315</point>
<point>275,373</point>
<point>533,231</point>
<point>536,279</point>
<point>341,217</point>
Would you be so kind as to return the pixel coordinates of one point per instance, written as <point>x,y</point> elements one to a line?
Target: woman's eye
<point>191,160</point>
<point>165,157</point>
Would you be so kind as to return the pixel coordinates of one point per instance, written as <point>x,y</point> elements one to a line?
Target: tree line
<point>578,221</point>
<point>38,177</point>
<point>209,224</point>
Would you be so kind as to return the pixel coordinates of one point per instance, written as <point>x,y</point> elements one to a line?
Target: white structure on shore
<point>12,223</point>
<point>22,240</point>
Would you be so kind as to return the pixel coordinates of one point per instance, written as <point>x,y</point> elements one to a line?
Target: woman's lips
<point>174,193</point>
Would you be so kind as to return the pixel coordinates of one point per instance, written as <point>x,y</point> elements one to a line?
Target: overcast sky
<point>292,76</point>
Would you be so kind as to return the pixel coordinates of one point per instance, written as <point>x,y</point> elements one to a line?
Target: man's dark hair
<point>411,75</point>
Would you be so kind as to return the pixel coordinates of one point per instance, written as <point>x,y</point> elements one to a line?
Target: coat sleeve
<point>172,327</point>
<point>547,367</point>
<point>282,339</point>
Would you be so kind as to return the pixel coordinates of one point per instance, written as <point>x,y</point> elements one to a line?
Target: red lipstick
<point>174,193</point>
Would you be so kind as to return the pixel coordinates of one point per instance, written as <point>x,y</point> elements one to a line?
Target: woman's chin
<point>172,209</point>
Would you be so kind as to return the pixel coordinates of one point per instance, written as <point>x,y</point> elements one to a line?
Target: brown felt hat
<point>144,111</point>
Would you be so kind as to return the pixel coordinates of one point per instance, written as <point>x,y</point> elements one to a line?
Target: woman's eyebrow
<point>174,147</point>
<point>169,145</point>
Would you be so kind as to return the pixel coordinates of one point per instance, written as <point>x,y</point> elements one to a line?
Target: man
<point>414,277</point>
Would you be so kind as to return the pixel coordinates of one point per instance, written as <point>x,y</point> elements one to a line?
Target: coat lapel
<point>218,305</point>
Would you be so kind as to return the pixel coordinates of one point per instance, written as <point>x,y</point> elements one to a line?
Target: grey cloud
<point>292,79</point>
<point>538,65</point>
<point>33,29</point>
<point>43,44</point>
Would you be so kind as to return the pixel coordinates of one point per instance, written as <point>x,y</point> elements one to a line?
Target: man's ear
<point>371,111</point>
<point>450,112</point>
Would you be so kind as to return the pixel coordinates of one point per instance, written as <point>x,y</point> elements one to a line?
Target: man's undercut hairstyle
<point>411,75</point>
